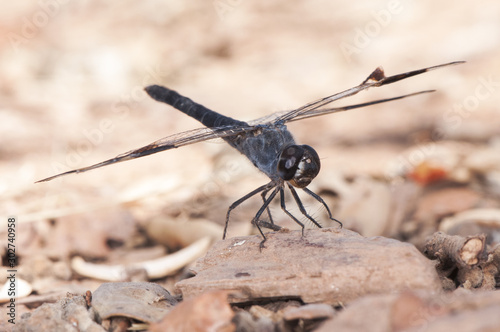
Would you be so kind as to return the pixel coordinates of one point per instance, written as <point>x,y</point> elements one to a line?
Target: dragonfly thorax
<point>299,165</point>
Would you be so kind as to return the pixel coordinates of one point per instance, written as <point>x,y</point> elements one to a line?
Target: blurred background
<point>71,95</point>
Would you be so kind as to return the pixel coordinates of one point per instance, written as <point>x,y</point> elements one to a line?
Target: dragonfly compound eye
<point>298,164</point>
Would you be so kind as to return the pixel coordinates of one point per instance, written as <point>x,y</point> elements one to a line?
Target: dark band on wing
<point>378,74</point>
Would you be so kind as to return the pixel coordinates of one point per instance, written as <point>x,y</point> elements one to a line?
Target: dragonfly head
<point>299,165</point>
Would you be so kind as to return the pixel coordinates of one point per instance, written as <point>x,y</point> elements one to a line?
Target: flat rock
<point>142,301</point>
<point>412,311</point>
<point>327,265</point>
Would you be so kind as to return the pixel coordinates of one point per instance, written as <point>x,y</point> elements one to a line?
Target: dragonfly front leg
<point>301,206</point>
<point>319,199</point>
<point>283,207</point>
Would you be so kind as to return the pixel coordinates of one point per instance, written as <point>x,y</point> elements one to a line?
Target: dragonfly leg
<point>283,207</point>
<point>301,206</point>
<point>265,187</point>
<point>268,225</point>
<point>264,193</point>
<point>319,199</point>
<point>264,206</point>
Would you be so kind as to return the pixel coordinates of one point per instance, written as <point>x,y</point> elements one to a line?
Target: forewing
<point>375,79</point>
<point>166,143</point>
<point>270,118</point>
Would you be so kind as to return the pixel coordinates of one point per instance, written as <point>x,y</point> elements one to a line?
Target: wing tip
<point>453,63</point>
<point>56,176</point>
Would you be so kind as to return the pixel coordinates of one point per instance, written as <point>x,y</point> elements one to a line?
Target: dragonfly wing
<point>270,118</point>
<point>323,111</point>
<point>375,79</point>
<point>166,143</point>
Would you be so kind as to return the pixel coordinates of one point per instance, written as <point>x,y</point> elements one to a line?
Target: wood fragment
<point>465,261</point>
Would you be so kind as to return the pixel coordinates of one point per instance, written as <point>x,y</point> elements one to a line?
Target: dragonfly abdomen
<point>199,112</point>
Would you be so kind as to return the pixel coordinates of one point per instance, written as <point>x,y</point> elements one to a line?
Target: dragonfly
<point>266,142</point>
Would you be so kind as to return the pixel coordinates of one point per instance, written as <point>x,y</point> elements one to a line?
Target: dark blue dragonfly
<point>265,141</point>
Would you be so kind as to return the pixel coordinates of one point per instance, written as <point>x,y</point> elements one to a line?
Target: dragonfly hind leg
<point>268,224</point>
<point>265,207</point>
<point>256,220</point>
<point>264,188</point>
